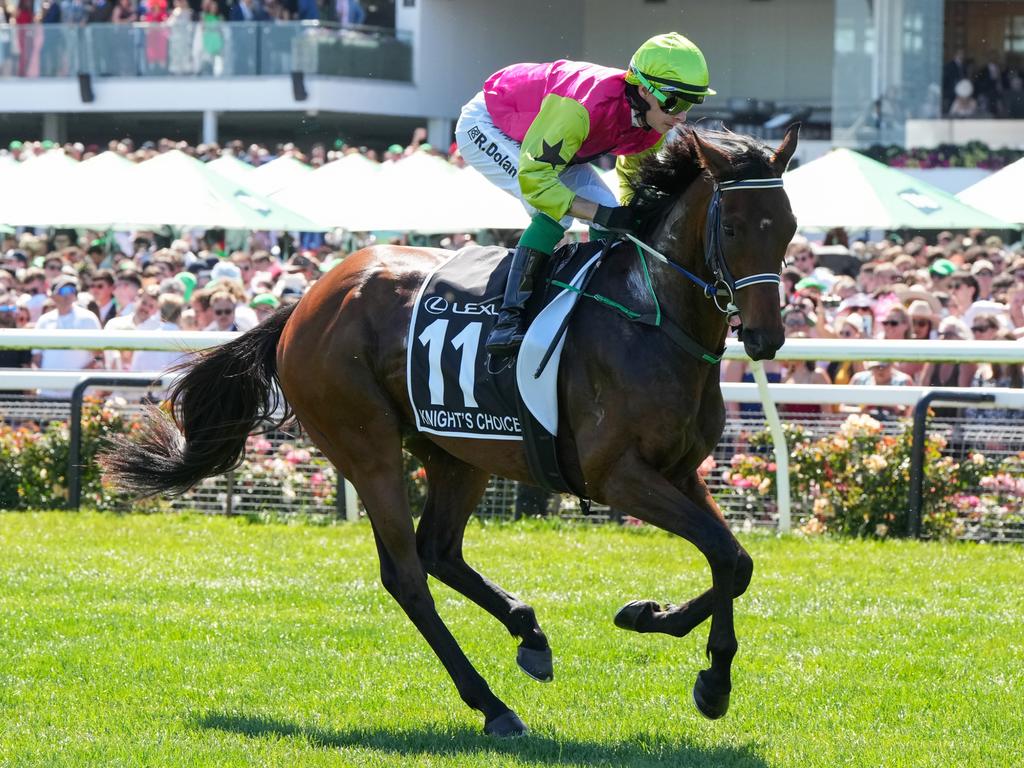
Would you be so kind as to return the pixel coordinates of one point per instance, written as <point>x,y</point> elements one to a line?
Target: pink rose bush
<point>857,482</point>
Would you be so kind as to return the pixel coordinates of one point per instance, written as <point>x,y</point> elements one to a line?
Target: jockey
<point>534,128</point>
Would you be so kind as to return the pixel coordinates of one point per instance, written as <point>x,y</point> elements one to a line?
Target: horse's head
<point>749,226</point>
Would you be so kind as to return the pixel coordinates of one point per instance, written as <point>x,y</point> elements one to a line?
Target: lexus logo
<point>436,305</point>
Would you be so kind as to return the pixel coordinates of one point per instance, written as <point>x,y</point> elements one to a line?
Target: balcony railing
<point>221,49</point>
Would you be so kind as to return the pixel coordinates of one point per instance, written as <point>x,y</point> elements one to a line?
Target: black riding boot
<point>506,336</point>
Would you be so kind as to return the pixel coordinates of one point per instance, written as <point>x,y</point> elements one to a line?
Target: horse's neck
<point>681,239</point>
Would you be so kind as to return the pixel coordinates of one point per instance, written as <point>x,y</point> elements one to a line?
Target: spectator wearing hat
<point>67,315</point>
<point>996,255</point>
<point>226,270</point>
<point>923,320</point>
<point>811,286</point>
<point>940,271</point>
<point>263,261</point>
<point>985,327</point>
<point>290,286</point>
<point>264,305</point>
<point>984,273</point>
<point>15,258</point>
<point>188,284</point>
<point>306,264</point>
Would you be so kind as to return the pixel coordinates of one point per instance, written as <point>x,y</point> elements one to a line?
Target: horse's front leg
<point>679,620</point>
<point>635,486</point>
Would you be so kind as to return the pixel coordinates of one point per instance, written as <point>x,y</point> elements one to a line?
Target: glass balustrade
<point>221,49</point>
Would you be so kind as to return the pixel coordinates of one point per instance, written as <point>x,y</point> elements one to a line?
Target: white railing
<point>768,395</point>
<point>163,341</point>
<point>795,349</point>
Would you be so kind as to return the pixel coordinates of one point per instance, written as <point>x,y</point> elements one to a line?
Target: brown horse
<point>640,410</point>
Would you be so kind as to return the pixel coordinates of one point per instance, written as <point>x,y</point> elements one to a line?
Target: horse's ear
<point>782,156</point>
<point>712,158</point>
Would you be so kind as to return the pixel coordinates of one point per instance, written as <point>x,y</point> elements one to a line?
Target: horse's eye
<point>730,231</point>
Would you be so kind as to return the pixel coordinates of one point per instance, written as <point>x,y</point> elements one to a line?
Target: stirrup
<point>502,348</point>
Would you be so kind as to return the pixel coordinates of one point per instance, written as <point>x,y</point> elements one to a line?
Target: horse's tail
<point>222,397</point>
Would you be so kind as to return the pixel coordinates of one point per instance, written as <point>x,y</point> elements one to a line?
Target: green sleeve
<point>627,166</point>
<point>554,137</point>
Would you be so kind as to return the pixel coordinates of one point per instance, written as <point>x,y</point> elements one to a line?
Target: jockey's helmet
<point>673,69</point>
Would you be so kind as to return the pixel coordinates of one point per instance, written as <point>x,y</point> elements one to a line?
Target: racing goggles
<point>671,99</point>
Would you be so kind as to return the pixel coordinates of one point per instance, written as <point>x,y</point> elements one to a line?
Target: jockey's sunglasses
<point>670,101</point>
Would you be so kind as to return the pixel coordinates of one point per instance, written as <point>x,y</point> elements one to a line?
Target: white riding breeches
<point>496,156</point>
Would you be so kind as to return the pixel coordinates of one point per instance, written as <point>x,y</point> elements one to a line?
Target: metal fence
<point>284,473</point>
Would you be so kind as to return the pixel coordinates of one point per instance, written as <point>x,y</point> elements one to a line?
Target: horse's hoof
<point>711,705</point>
<point>636,615</point>
<point>506,726</point>
<point>537,664</point>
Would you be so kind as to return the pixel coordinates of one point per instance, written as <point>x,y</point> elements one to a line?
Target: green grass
<point>186,640</point>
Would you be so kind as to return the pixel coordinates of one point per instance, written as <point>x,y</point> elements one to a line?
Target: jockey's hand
<point>620,219</point>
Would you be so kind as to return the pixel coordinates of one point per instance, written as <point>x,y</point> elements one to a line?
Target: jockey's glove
<point>621,218</point>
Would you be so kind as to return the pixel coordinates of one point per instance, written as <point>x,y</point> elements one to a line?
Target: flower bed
<point>974,154</point>
<point>857,482</point>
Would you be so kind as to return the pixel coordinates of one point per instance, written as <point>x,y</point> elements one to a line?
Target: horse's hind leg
<point>375,468</point>
<point>454,490</point>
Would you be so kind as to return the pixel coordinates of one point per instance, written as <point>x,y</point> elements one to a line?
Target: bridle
<point>724,286</point>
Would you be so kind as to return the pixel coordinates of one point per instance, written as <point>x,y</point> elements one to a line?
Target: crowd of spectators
<point>961,287</point>
<point>255,154</point>
<point>61,282</point>
<point>991,90</point>
<point>180,37</point>
<point>201,281</point>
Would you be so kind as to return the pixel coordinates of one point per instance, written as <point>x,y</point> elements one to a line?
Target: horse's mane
<point>666,174</point>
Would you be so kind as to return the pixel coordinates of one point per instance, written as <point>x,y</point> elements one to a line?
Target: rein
<point>725,285</point>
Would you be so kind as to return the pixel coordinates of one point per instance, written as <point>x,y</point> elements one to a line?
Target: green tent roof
<point>847,189</point>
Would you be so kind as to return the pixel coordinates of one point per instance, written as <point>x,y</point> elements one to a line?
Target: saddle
<point>453,390</point>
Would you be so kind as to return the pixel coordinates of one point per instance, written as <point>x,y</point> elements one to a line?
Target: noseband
<point>724,285</point>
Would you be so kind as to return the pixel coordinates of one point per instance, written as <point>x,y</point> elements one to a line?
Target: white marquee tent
<point>1001,194</point>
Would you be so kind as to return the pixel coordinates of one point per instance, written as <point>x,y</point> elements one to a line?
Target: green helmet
<point>670,65</point>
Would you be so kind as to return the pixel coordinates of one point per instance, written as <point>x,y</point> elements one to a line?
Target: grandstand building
<point>855,71</point>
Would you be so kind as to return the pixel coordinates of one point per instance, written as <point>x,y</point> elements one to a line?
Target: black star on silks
<point>552,153</point>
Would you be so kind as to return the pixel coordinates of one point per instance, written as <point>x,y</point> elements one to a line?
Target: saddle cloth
<point>450,387</point>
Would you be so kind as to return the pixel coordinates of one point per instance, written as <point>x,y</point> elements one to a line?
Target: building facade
<point>856,71</point>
